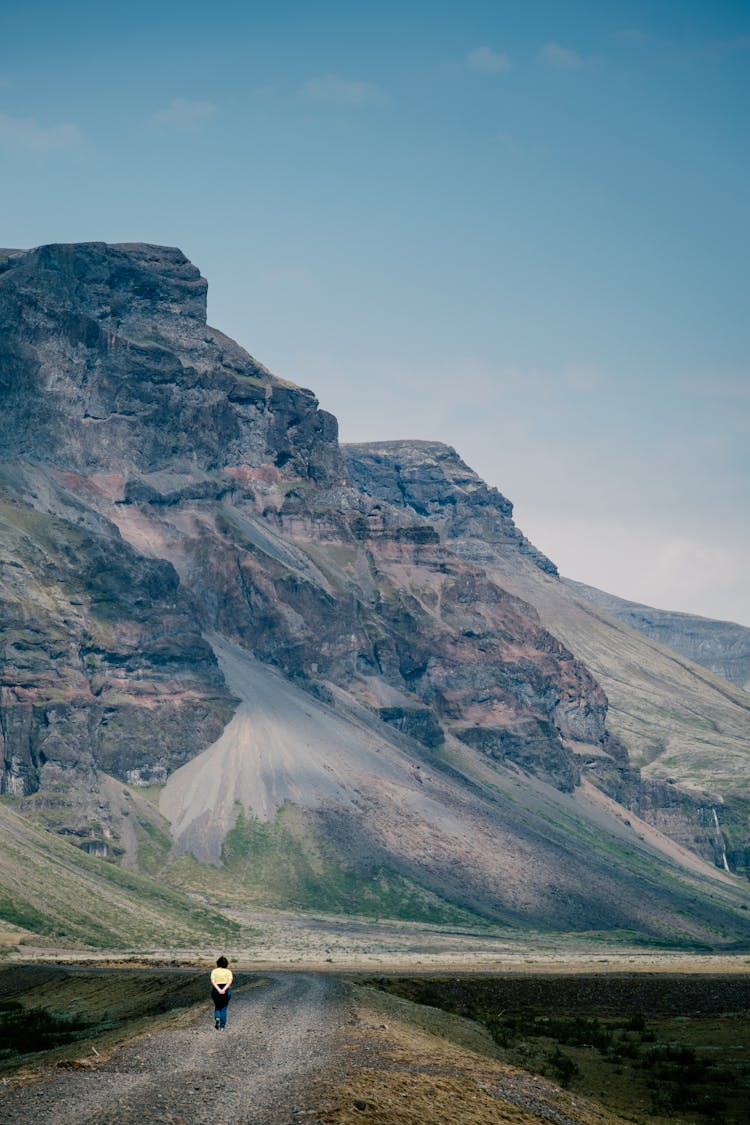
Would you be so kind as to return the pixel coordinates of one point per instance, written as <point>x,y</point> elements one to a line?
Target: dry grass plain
<point>268,940</point>
<point>410,1067</point>
<point>649,1047</point>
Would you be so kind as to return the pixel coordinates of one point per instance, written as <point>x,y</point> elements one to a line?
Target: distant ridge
<point>721,646</point>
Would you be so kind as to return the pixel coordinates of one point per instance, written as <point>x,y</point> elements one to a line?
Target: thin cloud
<point>341,91</point>
<point>487,60</point>
<point>632,36</point>
<point>26,133</point>
<point>559,57</point>
<point>718,387</point>
<point>184,115</point>
<point>719,47</point>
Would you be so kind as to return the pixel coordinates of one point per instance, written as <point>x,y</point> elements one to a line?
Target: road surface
<point>281,1038</point>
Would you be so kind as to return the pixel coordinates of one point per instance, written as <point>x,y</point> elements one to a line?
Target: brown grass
<point>399,1074</point>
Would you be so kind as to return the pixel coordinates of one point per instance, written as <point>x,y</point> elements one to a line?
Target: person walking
<point>221,992</point>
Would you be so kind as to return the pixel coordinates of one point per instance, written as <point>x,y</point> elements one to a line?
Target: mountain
<point>678,737</point>
<point>345,677</point>
<point>721,646</point>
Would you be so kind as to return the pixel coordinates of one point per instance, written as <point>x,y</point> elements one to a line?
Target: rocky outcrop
<point>716,829</point>
<point>333,586</point>
<point>107,365</point>
<point>432,480</point>
<point>671,712</point>
<point>113,390</point>
<point>101,662</point>
<point>137,439</point>
<point>337,570</point>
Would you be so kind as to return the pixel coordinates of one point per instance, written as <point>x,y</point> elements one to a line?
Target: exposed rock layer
<point>431,479</point>
<point>107,365</point>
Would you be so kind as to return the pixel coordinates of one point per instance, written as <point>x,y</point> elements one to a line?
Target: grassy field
<point>650,1047</point>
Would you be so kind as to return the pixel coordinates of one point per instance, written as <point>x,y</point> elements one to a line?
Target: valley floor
<point>334,1049</point>
<point>270,941</point>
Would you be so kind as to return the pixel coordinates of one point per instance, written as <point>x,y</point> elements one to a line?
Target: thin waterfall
<point>720,840</point>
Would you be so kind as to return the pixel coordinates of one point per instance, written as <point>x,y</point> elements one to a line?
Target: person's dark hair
<point>222,962</point>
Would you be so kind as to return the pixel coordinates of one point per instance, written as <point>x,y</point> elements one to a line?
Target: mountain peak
<point>107,279</point>
<point>434,481</point>
<point>106,359</point>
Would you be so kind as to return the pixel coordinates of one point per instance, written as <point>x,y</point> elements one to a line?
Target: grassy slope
<point>677,719</point>
<point>409,1063</point>
<point>49,1013</point>
<point>55,890</point>
<point>681,721</point>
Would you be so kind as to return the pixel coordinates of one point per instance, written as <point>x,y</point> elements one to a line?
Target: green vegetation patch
<point>282,864</point>
<point>59,892</point>
<point>23,914</point>
<point>154,845</point>
<point>26,1030</point>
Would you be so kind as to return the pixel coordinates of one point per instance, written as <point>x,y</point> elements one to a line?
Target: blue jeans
<point>220,1013</point>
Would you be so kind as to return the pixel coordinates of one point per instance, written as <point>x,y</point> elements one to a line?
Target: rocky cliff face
<point>107,365</point>
<point>112,380</point>
<point>431,479</point>
<point>164,498</point>
<point>102,665</point>
<point>336,588</point>
<point>112,387</point>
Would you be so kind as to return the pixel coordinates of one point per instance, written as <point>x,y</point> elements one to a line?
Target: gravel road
<point>280,1038</point>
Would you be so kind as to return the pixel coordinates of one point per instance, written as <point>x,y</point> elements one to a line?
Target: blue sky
<point>520,228</point>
